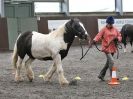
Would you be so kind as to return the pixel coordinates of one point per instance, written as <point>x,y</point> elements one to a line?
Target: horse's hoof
<point>66,83</point>
<point>30,77</point>
<point>19,79</point>
<point>30,80</point>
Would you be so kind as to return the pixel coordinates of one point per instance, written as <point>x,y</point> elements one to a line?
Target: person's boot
<point>101,78</point>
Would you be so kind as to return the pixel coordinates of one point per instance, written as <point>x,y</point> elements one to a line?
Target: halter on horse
<point>53,46</point>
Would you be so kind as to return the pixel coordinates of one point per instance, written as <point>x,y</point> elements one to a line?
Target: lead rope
<point>118,46</point>
<point>83,55</point>
<point>81,47</point>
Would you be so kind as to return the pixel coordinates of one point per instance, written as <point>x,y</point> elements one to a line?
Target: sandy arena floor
<point>89,87</point>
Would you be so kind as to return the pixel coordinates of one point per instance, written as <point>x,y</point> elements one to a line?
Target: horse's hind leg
<point>50,73</point>
<point>17,74</point>
<point>30,73</point>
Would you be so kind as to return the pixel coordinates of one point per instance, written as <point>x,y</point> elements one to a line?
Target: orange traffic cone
<point>114,80</point>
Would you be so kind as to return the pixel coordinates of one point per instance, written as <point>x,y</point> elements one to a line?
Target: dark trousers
<point>109,64</point>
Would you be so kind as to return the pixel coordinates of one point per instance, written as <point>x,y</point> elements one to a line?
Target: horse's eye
<point>80,29</point>
<point>77,26</point>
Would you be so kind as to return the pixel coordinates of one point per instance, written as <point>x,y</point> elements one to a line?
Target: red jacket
<point>107,36</point>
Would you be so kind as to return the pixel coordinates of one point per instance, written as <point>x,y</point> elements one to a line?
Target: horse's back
<point>127,29</point>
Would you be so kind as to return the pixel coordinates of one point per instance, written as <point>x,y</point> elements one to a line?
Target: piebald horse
<point>53,46</point>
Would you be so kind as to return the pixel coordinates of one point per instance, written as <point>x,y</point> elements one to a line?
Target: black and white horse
<point>127,35</point>
<point>53,46</point>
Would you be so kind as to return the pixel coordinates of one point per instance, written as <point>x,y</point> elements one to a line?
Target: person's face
<point>109,26</point>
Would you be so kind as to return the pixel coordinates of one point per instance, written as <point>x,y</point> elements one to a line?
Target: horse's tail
<point>15,57</point>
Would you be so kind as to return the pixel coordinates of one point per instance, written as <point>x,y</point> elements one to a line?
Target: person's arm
<point>99,36</point>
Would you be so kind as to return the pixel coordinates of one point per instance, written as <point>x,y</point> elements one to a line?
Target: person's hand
<point>92,43</point>
<point>115,40</point>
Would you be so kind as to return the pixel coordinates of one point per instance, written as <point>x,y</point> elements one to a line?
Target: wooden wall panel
<point>3,35</point>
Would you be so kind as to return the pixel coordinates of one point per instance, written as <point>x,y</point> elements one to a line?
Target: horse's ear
<point>75,19</point>
<point>71,21</point>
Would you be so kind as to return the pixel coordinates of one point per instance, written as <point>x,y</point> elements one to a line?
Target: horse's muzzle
<point>85,37</point>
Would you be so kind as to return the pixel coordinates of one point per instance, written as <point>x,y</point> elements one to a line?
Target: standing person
<point>108,35</point>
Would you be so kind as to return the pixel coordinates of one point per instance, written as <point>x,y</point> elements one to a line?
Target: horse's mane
<point>59,31</point>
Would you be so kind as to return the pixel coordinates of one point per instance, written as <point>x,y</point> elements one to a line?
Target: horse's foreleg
<point>131,41</point>
<point>62,79</point>
<point>30,73</point>
<point>125,50</point>
<point>17,74</point>
<point>50,73</point>
<point>124,41</point>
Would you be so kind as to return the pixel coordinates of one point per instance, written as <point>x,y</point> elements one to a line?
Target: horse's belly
<point>41,53</point>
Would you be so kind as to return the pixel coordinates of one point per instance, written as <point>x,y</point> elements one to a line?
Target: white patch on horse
<point>125,50</point>
<point>83,28</point>
<point>53,42</point>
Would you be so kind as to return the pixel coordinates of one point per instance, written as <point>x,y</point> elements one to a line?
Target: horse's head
<point>75,26</point>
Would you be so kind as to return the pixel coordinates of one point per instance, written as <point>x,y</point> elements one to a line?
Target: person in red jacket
<point>107,36</point>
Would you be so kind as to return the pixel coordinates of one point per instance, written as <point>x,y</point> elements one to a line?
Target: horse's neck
<point>61,32</point>
<point>58,32</point>
<point>68,36</point>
